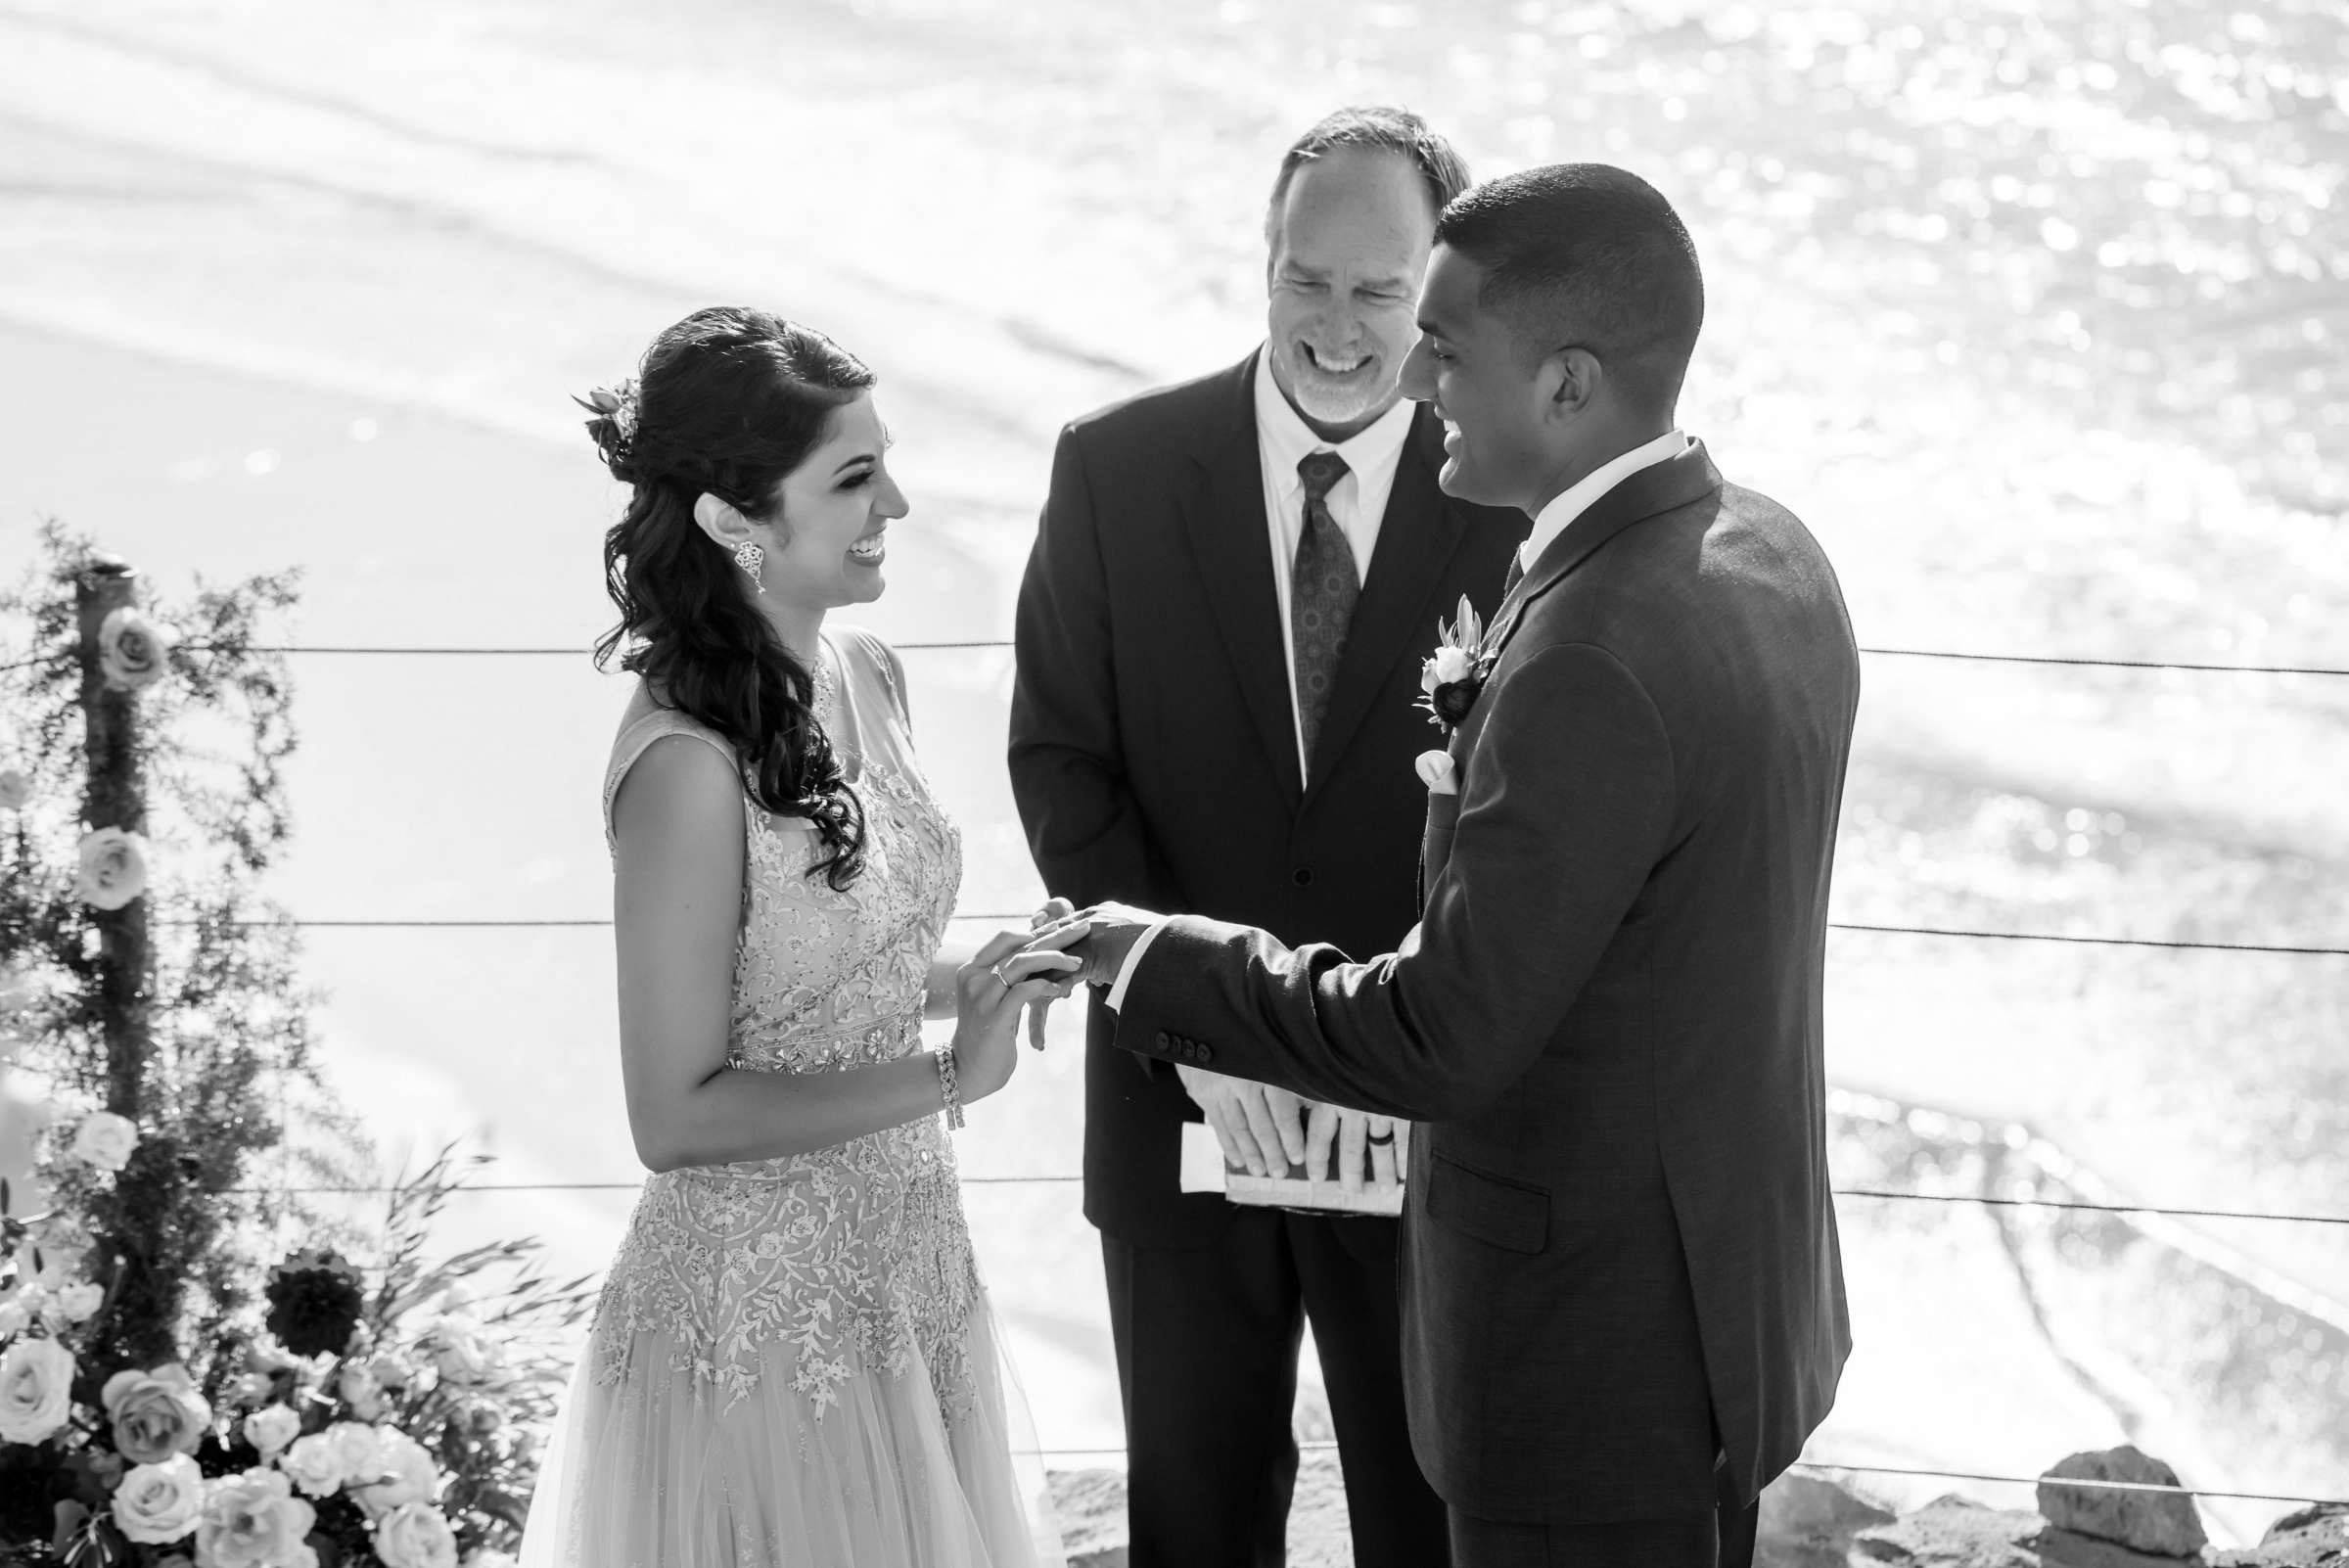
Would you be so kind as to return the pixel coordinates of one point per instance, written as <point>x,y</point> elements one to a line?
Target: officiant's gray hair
<point>1587,256</point>
<point>1375,128</point>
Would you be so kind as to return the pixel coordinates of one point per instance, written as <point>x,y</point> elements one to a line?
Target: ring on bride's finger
<point>997,971</point>
<point>1379,1141</point>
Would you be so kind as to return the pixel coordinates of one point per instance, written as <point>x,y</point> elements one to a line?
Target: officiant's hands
<point>1263,1129</point>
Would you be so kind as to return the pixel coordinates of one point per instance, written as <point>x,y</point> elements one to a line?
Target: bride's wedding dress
<point>793,1361</point>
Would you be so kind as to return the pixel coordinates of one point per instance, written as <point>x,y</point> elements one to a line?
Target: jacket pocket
<point>1492,1209</point>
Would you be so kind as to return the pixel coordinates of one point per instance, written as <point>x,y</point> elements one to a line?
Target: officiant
<point>1220,634</point>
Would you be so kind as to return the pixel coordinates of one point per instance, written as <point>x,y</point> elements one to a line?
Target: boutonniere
<point>1454,677</point>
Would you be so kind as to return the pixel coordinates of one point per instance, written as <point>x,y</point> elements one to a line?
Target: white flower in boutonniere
<point>132,649</point>
<point>1437,772</point>
<point>113,869</point>
<point>1451,677</point>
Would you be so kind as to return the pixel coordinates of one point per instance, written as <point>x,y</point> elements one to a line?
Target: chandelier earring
<point>748,557</point>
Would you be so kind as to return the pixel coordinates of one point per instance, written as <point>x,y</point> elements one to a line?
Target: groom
<point>1623,1298</point>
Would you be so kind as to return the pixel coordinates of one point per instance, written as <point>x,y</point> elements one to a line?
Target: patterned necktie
<point>1322,589</point>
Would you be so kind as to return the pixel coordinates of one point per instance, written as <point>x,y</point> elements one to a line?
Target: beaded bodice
<point>848,1258</point>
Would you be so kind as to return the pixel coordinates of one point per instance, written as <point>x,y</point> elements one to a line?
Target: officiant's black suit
<point>1620,1257</point>
<point>1154,757</point>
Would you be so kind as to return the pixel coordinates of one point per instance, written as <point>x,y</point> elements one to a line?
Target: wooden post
<point>116,798</point>
<point>139,1326</point>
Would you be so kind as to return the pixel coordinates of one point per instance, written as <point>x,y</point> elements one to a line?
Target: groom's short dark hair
<point>1592,255</point>
<point>1380,129</point>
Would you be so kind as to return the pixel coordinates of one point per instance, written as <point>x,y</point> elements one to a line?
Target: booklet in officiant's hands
<point>1205,1169</point>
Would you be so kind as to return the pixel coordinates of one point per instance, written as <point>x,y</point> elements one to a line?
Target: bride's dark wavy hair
<point>727,403</point>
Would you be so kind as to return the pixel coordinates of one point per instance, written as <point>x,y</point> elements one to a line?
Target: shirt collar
<point>1286,438</point>
<point>1578,497</point>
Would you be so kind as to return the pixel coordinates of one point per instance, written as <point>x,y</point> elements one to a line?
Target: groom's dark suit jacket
<point>1153,745</point>
<point>1619,1237</point>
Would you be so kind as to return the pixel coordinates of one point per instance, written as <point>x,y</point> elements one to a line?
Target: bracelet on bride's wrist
<point>949,1088</point>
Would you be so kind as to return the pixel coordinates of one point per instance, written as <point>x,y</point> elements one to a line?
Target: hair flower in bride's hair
<point>615,403</point>
<point>1454,675</point>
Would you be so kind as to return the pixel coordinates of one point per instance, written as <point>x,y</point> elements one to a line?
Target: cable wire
<point>436,924</point>
<point>2075,1205</point>
<point>1832,1467</point>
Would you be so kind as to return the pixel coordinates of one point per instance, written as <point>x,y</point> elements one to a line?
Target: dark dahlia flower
<point>314,1303</point>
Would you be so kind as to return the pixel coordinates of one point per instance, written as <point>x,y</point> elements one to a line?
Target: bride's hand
<point>1049,912</point>
<point>989,993</point>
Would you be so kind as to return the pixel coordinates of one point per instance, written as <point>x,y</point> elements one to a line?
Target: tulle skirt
<point>663,1469</point>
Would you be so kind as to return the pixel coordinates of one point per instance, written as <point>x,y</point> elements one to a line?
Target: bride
<point>793,1361</point>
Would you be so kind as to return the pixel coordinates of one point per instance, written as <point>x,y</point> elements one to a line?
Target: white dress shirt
<point>1571,503</point>
<point>1578,497</point>
<point>1358,502</point>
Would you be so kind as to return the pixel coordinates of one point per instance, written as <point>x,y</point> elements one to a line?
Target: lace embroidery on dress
<point>855,1258</point>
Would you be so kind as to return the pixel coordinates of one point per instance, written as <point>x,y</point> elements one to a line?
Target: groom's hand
<point>1111,930</point>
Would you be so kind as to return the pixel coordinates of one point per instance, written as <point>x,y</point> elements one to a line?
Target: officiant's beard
<point>1337,400</point>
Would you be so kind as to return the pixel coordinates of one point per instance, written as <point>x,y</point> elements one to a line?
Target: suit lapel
<point>1422,531</point>
<point>1231,542</point>
<point>1656,490</point>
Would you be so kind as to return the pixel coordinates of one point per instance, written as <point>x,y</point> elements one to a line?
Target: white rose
<point>105,1141</point>
<point>360,1448</point>
<point>414,1535</point>
<point>272,1429</point>
<point>408,1475</point>
<point>1448,665</point>
<point>1437,772</point>
<point>391,1372</point>
<point>36,1389</point>
<point>80,1303</point>
<point>15,789</point>
<point>464,1356</point>
<point>132,649</point>
<point>113,868</point>
<point>355,1382</point>
<point>253,1520</point>
<point>315,1464</point>
<point>159,1503</point>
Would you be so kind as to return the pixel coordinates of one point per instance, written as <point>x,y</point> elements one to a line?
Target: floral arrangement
<point>168,1396</point>
<point>391,1426</point>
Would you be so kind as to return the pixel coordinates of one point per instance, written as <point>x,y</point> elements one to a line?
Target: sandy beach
<point>308,286</point>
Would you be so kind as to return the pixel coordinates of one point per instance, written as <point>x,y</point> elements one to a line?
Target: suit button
<point>1303,876</point>
<point>1205,1056</point>
<point>1161,1040</point>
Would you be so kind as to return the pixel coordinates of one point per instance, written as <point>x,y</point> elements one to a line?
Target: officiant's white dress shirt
<point>1552,521</point>
<point>1358,502</point>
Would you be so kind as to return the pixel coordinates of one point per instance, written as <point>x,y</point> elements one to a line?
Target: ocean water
<point>2034,311</point>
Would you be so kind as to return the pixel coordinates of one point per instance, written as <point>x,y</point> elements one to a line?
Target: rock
<point>2162,1524</point>
<point>2316,1537</point>
<point>1091,1506</point>
<point>1958,1533</point>
<point>1808,1523</point>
